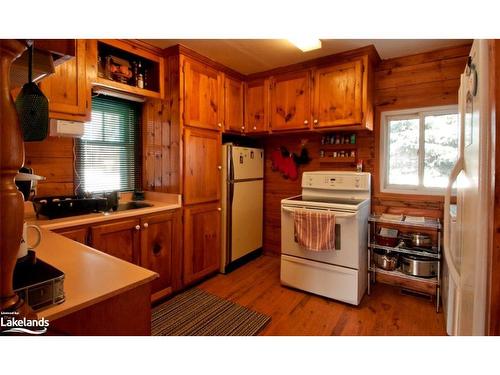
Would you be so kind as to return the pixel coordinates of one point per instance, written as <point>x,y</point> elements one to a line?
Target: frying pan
<point>32,107</point>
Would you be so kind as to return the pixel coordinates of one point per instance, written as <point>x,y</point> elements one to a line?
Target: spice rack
<point>434,252</point>
<point>338,148</point>
<point>128,68</point>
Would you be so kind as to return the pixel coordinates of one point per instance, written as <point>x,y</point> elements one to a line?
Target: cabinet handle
<point>315,121</point>
<point>219,209</point>
<point>137,227</point>
<point>243,127</point>
<point>219,167</point>
<point>306,122</point>
<point>254,128</point>
<point>146,225</point>
<point>219,125</point>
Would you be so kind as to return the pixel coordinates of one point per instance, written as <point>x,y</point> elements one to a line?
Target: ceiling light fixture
<point>306,44</point>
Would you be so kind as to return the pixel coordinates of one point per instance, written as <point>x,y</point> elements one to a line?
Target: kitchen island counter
<point>96,284</point>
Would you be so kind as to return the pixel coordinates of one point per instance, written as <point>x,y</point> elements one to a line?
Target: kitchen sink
<point>132,206</point>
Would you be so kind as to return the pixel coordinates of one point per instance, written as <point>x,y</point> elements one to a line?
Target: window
<point>418,149</point>
<point>107,157</point>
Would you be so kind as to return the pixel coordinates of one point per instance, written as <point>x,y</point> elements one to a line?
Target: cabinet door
<point>337,95</point>
<point>202,245</point>
<point>233,105</point>
<point>75,234</point>
<point>202,165</point>
<point>67,89</point>
<point>201,96</point>
<point>120,239</point>
<point>160,251</point>
<point>257,106</point>
<point>291,101</point>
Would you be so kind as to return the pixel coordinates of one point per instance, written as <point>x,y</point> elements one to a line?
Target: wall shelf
<point>140,67</point>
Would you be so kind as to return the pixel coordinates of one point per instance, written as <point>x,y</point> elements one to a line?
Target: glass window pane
<point>441,149</point>
<point>403,151</point>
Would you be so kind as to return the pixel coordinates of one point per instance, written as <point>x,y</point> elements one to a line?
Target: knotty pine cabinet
<point>67,89</point>
<point>202,95</point>
<point>291,101</point>
<point>338,95</point>
<point>202,166</point>
<point>202,242</point>
<point>161,251</point>
<point>120,239</point>
<point>78,234</point>
<point>152,241</point>
<point>234,105</point>
<point>257,106</point>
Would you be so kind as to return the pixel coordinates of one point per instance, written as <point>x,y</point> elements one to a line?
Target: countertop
<point>160,202</point>
<point>91,276</point>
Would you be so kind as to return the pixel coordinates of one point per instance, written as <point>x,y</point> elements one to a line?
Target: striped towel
<point>314,231</point>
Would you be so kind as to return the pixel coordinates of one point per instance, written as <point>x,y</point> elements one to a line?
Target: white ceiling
<point>256,55</point>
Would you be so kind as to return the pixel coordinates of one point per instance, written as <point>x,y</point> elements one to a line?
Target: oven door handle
<point>336,213</point>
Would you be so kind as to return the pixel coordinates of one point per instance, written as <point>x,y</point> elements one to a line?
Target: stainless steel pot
<point>418,240</point>
<point>385,260</point>
<point>419,266</point>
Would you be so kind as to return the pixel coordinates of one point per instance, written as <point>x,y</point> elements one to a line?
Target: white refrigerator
<point>467,225</point>
<point>242,204</point>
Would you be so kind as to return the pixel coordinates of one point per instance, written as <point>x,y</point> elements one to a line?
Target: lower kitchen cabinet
<point>202,242</point>
<point>121,239</point>
<point>151,241</point>
<point>161,251</point>
<point>79,234</point>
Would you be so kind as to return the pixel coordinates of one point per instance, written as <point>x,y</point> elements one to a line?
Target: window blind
<point>107,156</point>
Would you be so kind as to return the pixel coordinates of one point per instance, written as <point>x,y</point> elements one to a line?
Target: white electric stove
<point>340,274</point>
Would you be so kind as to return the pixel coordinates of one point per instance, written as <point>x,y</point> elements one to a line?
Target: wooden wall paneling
<point>52,158</point>
<point>174,102</point>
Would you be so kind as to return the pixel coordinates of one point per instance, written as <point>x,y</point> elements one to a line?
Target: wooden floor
<point>386,311</point>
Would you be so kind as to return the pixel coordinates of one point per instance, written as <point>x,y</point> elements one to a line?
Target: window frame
<point>135,160</point>
<point>419,113</point>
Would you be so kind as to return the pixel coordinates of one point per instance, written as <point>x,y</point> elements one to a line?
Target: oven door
<point>347,238</point>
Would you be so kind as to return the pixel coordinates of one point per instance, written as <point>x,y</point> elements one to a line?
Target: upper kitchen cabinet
<point>127,66</point>
<point>67,89</point>
<point>202,165</point>
<point>202,106</point>
<point>257,106</point>
<point>342,96</point>
<point>291,101</point>
<point>233,105</point>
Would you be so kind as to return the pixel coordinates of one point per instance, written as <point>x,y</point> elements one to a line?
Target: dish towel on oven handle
<point>314,231</point>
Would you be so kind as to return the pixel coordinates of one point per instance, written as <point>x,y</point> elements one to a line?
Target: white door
<point>472,197</point>
<point>248,163</point>
<point>247,218</point>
